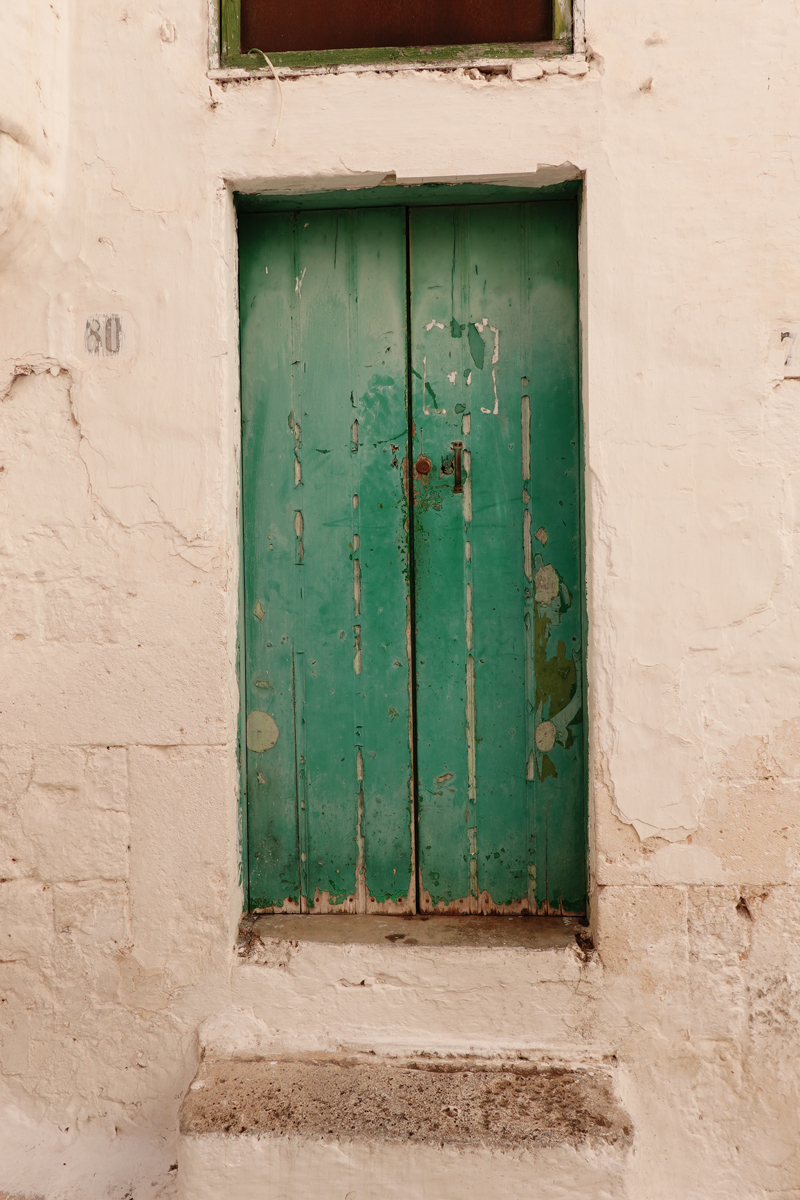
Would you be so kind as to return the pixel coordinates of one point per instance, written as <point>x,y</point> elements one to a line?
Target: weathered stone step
<point>363,1127</point>
<point>399,985</point>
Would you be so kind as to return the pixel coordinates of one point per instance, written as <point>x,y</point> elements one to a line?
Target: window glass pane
<point>282,25</point>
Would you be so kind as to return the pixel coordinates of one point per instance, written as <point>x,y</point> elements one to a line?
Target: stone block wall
<point>119,875</point>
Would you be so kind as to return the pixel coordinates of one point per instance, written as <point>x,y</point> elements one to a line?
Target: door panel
<point>326,561</point>
<point>494,559</point>
<point>497,566</point>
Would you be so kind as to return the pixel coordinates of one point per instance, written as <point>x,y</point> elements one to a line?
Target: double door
<point>412,616</point>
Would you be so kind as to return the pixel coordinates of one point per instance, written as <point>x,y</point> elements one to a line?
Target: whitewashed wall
<point>119,561</point>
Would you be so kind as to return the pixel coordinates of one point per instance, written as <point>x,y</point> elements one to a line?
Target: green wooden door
<point>488,565</point>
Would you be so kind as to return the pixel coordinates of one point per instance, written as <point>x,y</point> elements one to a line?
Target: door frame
<point>389,196</point>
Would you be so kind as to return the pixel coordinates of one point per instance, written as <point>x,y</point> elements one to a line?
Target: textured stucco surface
<point>379,1128</point>
<point>436,1100</point>
<point>119,894</point>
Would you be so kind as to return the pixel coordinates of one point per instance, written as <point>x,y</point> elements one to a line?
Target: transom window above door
<point>307,33</point>
<point>412,625</point>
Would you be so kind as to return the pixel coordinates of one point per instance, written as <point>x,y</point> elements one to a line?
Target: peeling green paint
<point>477,346</point>
<point>332,823</point>
<point>499,630</point>
<point>558,696</point>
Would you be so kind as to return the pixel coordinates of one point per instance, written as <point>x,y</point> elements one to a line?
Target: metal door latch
<point>422,467</point>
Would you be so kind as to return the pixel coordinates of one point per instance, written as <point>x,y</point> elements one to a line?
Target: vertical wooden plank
<point>495,315</point>
<point>351,303</point>
<point>329,475</point>
<point>271,587</point>
<point>381,558</point>
<point>322,300</point>
<point>440,407</point>
<point>492,366</point>
<point>558,780</point>
<point>470,632</point>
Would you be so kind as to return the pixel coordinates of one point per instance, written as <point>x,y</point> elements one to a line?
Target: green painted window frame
<point>231,55</point>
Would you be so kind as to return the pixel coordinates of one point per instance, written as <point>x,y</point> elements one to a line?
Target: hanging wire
<point>280,90</point>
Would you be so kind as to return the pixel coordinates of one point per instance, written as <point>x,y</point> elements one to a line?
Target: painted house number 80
<point>103,335</point>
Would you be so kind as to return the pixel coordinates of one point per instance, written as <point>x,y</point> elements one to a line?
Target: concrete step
<point>449,985</point>
<point>423,1127</point>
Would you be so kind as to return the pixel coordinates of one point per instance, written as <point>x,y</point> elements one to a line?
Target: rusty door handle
<point>457,448</point>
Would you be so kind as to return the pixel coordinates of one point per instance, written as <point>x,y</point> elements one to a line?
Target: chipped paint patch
<point>495,360</point>
<point>527,545</point>
<point>357,585</point>
<point>262,732</point>
<point>545,736</point>
<point>346,904</point>
<point>472,835</point>
<point>546,584</point>
<point>477,346</point>
<point>258,611</point>
<point>361,862</point>
<point>472,778</point>
<point>541,535</point>
<point>532,904</point>
<point>469,616</point>
<point>483,904</point>
<point>466,499</point>
<point>427,390</point>
<point>526,437</point>
<point>558,690</point>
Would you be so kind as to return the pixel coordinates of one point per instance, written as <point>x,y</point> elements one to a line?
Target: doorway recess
<point>412,617</point>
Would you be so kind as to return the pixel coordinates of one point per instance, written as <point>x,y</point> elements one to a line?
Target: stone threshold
<point>502,932</point>
<point>497,1104</point>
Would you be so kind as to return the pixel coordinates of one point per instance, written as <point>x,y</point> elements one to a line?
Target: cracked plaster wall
<point>118,556</point>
